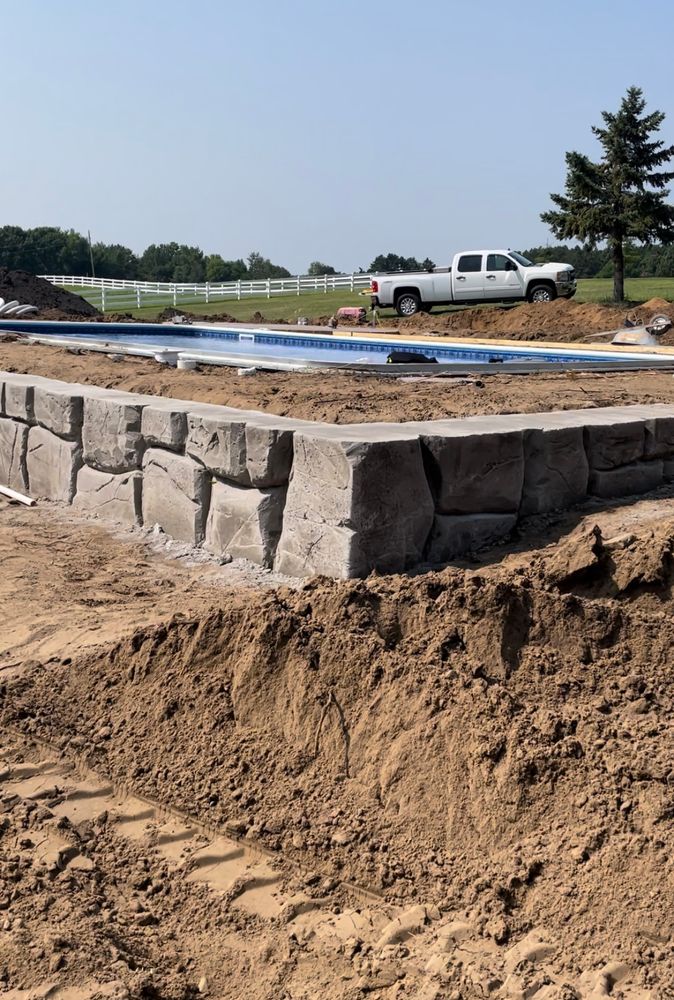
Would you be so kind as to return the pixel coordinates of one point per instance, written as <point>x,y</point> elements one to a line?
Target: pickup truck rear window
<point>470,262</point>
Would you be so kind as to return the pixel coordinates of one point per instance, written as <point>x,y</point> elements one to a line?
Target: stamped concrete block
<point>111,434</point>
<point>456,535</point>
<point>630,480</point>
<point>556,469</point>
<point>176,492</point>
<point>115,497</point>
<point>18,402</point>
<point>612,441</point>
<point>60,408</point>
<point>475,466</point>
<point>164,423</point>
<point>13,444</point>
<point>218,441</point>
<point>358,500</point>
<point>244,522</point>
<point>52,465</point>
<point>659,437</point>
<point>269,451</point>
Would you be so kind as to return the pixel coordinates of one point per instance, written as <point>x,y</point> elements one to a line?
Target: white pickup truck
<point>475,276</point>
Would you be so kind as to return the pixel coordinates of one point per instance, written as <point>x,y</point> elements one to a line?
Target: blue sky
<point>314,130</point>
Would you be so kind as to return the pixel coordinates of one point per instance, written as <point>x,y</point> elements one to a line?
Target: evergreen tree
<point>621,198</point>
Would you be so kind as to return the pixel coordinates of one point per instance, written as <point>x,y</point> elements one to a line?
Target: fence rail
<point>135,294</point>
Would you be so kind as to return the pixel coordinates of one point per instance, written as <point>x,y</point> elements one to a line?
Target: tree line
<point>50,250</point>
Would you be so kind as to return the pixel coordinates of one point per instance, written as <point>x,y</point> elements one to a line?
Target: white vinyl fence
<point>116,294</point>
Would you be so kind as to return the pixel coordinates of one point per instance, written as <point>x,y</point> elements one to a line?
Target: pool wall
<point>308,498</point>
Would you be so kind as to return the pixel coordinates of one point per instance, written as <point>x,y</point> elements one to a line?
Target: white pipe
<point>19,497</point>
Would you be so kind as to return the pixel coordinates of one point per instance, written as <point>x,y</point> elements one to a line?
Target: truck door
<point>502,279</point>
<point>468,278</point>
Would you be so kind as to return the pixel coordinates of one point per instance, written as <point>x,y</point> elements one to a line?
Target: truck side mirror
<point>511,265</point>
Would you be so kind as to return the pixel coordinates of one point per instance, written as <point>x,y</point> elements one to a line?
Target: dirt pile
<point>563,320</point>
<point>497,741</point>
<point>53,302</point>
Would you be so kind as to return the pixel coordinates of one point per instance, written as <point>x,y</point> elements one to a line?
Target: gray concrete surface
<point>52,465</point>
<point>113,497</point>
<point>176,493</point>
<point>245,522</point>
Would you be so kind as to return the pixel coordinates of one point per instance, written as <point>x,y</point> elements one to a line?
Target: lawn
<point>313,304</point>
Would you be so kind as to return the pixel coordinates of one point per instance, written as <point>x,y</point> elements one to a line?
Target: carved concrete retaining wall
<point>309,498</point>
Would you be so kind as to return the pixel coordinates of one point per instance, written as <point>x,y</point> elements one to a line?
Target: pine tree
<point>623,197</point>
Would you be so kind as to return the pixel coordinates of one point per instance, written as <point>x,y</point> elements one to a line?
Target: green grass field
<point>314,304</point>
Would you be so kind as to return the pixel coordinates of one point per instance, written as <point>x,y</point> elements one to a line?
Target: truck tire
<point>541,292</point>
<point>407,304</point>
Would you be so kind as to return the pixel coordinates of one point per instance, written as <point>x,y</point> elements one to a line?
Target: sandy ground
<point>340,398</point>
<point>211,784</point>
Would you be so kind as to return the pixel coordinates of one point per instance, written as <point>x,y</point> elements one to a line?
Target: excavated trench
<point>491,743</point>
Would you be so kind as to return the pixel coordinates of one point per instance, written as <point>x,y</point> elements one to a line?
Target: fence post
<point>351,282</point>
<point>138,296</point>
<point>175,295</point>
<point>102,298</point>
<point>298,284</point>
<point>238,289</point>
<point>268,288</point>
<point>325,283</point>
<point>208,289</point>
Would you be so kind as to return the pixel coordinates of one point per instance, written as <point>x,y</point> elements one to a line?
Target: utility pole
<point>91,255</point>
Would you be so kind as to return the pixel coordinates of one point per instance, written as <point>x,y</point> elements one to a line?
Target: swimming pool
<point>270,348</point>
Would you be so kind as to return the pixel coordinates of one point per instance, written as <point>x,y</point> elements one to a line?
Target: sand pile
<point>53,302</point>
<point>497,742</point>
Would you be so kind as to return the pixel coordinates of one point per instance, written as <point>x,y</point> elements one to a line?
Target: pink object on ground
<point>356,313</point>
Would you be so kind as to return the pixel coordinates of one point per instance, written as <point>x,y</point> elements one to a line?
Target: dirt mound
<point>559,320</point>
<point>169,314</point>
<point>28,289</point>
<point>497,742</point>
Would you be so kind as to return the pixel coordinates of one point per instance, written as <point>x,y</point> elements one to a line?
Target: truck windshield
<point>520,259</point>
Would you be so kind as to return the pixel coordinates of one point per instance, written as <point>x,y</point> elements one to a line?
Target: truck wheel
<point>541,293</point>
<point>408,304</point>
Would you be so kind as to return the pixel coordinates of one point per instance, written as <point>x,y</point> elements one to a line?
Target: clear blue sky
<point>306,129</point>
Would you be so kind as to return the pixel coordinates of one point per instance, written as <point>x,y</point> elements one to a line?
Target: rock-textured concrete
<point>456,535</point>
<point>52,465</point>
<point>358,500</point>
<point>59,410</point>
<point>13,445</point>
<point>218,441</point>
<point>176,493</point>
<point>614,441</point>
<point>556,469</point>
<point>111,432</point>
<point>164,423</point>
<point>628,480</point>
<point>244,522</point>
<point>18,399</point>
<point>371,497</point>
<point>475,465</point>
<point>659,437</point>
<point>114,497</point>
<point>269,451</point>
